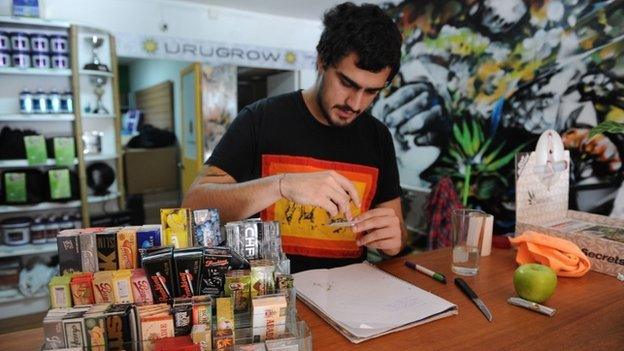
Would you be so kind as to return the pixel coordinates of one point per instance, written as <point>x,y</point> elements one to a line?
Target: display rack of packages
<point>47,101</point>
<point>184,284</point>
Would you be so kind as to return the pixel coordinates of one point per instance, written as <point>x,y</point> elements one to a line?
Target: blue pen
<point>437,276</point>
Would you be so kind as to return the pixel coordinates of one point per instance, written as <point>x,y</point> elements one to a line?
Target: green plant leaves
<point>607,127</point>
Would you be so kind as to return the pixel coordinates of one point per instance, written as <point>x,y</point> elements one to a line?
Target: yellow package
<point>127,248</point>
<point>103,287</point>
<point>122,288</point>
<point>176,226</point>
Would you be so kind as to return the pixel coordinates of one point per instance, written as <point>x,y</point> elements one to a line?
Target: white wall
<point>145,73</point>
<point>186,20</point>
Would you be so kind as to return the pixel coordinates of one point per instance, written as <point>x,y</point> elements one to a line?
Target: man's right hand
<point>327,189</point>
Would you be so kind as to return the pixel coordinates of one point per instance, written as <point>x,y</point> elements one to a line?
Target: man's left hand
<point>379,228</point>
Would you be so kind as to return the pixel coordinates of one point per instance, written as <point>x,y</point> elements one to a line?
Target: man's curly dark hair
<point>365,30</point>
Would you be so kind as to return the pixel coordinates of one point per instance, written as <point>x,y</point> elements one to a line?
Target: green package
<point>60,187</point>
<point>36,149</point>
<point>238,287</point>
<point>60,295</point>
<point>64,151</point>
<point>15,184</point>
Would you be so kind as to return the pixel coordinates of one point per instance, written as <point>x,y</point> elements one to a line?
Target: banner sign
<point>215,53</point>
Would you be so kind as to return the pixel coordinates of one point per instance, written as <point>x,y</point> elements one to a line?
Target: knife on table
<point>463,286</point>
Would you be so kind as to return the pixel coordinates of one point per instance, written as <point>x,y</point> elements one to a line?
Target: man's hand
<point>380,229</point>
<point>328,190</point>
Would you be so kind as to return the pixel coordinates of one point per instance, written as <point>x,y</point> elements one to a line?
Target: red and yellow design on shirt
<point>303,227</point>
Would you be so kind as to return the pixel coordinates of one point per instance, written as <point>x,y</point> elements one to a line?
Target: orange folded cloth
<point>563,256</point>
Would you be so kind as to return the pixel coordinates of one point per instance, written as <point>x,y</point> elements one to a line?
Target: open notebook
<point>364,302</point>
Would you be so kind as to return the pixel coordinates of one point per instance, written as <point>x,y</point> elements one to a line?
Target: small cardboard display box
<point>542,206</point>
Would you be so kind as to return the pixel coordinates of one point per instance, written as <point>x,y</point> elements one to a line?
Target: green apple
<point>535,282</point>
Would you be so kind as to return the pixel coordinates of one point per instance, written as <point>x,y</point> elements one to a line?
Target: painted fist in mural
<point>379,228</point>
<point>328,189</point>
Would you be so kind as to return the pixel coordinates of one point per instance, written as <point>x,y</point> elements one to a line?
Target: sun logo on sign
<point>150,45</point>
<point>290,57</point>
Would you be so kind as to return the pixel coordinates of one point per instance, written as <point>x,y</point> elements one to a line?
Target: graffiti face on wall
<point>481,79</point>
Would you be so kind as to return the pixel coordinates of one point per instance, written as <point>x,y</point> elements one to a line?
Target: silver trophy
<point>99,82</point>
<point>96,64</point>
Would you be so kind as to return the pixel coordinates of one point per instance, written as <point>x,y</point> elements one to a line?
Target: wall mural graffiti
<point>481,79</point>
<point>218,103</point>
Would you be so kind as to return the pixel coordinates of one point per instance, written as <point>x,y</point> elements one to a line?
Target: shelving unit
<point>80,82</point>
<point>28,249</point>
<point>35,71</point>
<point>61,117</point>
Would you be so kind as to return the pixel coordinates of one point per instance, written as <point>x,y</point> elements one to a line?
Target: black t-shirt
<point>280,135</point>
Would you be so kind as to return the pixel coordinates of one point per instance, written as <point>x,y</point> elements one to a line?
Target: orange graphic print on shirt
<point>304,228</point>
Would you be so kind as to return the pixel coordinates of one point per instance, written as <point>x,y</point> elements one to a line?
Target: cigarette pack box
<point>122,286</point>
<point>262,278</point>
<point>206,227</point>
<point>216,262</point>
<point>88,252</point>
<point>182,310</point>
<point>238,286</point>
<point>269,317</point>
<point>120,326</point>
<point>106,242</point>
<point>127,248</point>
<point>69,251</point>
<point>159,270</point>
<point>157,327</point>
<point>225,317</point>
<point>147,236</point>
<point>95,327</point>
<point>176,226</point>
<point>53,332</point>
<point>81,286</point>
<point>103,287</point>
<point>188,264</point>
<point>141,291</point>
<point>74,330</point>
<point>202,310</point>
<point>201,335</point>
<point>60,292</point>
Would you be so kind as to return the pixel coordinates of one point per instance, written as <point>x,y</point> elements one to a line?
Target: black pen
<point>437,276</point>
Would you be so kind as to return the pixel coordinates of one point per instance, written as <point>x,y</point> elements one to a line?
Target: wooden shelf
<point>61,117</point>
<point>28,249</point>
<point>87,72</point>
<point>35,71</point>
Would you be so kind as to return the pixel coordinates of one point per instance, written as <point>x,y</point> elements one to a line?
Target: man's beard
<point>326,112</point>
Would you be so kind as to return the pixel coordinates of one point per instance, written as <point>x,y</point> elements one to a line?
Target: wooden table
<point>590,314</point>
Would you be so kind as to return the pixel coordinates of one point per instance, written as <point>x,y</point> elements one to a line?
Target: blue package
<point>207,227</point>
<point>26,8</point>
<point>148,236</point>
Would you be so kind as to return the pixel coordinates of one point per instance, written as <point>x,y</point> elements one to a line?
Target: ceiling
<point>304,9</point>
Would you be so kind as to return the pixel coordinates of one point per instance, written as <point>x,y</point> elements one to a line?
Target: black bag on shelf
<point>36,186</point>
<point>12,143</point>
<point>73,183</point>
<point>151,137</point>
